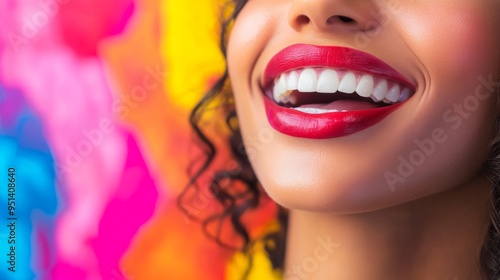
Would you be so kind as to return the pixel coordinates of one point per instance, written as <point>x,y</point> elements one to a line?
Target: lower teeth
<point>317,110</point>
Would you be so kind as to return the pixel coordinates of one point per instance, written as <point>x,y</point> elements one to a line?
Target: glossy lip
<point>323,126</point>
<point>302,55</point>
<point>327,125</point>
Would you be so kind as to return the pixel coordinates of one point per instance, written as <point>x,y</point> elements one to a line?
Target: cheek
<point>248,37</point>
<point>463,41</point>
<point>458,54</point>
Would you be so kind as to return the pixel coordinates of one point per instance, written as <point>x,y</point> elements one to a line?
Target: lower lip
<point>323,126</point>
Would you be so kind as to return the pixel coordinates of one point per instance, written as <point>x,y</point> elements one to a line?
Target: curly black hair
<point>490,255</point>
<point>235,204</point>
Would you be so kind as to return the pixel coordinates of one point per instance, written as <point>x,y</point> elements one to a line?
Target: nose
<point>333,15</point>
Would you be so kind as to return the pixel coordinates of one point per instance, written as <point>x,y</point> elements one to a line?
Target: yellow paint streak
<point>190,48</point>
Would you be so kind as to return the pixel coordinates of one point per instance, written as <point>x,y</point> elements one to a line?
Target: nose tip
<point>327,15</point>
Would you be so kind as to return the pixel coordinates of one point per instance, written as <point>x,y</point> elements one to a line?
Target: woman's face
<point>407,112</point>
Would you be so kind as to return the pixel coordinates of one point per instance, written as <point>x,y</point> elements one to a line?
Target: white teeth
<point>317,110</point>
<point>328,81</point>
<point>292,81</point>
<point>380,90</point>
<point>276,92</point>
<point>280,89</point>
<point>393,94</point>
<point>405,94</point>
<point>365,86</point>
<point>348,83</point>
<point>282,84</point>
<point>307,81</point>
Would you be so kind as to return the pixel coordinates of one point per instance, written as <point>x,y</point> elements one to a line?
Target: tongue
<point>339,105</point>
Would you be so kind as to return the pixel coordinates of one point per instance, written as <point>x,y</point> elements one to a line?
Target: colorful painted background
<point>94,105</point>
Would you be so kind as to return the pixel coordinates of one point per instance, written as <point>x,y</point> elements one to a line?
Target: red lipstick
<point>327,125</point>
<point>301,55</point>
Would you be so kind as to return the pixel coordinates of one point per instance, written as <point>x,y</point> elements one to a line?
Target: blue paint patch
<point>23,146</point>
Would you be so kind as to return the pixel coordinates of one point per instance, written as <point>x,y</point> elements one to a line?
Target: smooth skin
<point>392,213</point>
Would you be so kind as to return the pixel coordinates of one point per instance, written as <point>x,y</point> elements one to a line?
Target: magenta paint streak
<point>131,207</point>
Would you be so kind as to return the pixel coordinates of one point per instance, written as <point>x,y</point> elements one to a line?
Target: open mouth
<point>322,92</point>
<point>326,90</point>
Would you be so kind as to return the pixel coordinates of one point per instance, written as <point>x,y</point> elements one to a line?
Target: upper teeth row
<point>331,81</point>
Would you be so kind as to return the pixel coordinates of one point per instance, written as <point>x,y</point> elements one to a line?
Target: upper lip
<point>303,55</point>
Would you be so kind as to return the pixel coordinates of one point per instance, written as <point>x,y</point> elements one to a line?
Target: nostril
<point>302,19</point>
<point>346,19</point>
<point>343,19</point>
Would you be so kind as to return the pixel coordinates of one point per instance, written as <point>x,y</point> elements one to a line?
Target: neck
<point>437,237</point>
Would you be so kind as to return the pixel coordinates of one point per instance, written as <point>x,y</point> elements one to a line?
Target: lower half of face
<point>433,141</point>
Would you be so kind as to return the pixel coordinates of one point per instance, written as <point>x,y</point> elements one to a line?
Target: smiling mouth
<point>326,90</point>
<point>322,92</point>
